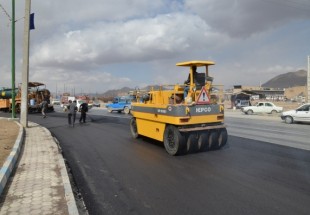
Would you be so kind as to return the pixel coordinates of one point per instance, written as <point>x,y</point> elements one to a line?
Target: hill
<point>124,91</point>
<point>118,92</point>
<point>287,80</point>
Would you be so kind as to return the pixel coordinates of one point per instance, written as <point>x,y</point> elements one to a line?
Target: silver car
<point>301,114</point>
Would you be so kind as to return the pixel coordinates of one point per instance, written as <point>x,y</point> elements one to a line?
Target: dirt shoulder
<point>8,134</point>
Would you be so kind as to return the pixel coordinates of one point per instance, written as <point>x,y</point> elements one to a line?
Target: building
<point>242,95</point>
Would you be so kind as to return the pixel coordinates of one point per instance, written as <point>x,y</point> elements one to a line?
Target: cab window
<point>304,108</point>
<point>122,100</point>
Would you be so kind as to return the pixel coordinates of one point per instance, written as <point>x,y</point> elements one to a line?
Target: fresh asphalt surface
<point>120,175</point>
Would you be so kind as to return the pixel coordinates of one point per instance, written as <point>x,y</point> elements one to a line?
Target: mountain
<point>287,80</point>
<point>113,93</point>
<point>124,91</point>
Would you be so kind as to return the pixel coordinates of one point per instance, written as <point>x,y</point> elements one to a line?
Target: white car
<point>81,101</point>
<point>301,114</point>
<point>262,107</point>
<point>56,102</point>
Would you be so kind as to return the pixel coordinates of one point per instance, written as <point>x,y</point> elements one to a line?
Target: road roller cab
<point>186,118</point>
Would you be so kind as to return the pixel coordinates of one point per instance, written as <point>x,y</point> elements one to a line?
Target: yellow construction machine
<point>36,94</point>
<point>187,118</point>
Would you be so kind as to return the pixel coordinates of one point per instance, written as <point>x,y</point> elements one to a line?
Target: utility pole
<point>13,59</point>
<point>308,78</point>
<point>25,72</point>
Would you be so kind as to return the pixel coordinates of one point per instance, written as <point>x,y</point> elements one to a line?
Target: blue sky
<point>98,45</point>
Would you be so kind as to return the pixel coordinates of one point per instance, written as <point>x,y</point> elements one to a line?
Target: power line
<point>5,12</point>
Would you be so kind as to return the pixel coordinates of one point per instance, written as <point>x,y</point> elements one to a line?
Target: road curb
<point>10,162</point>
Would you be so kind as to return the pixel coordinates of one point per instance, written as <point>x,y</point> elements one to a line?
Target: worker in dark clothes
<point>83,109</point>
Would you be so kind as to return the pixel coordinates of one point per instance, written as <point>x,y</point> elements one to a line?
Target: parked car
<point>239,103</point>
<point>301,114</point>
<point>56,102</point>
<point>96,104</point>
<point>262,107</point>
<point>122,103</point>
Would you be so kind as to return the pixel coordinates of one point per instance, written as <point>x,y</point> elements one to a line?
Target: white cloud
<point>161,37</point>
<point>103,44</point>
<point>139,40</point>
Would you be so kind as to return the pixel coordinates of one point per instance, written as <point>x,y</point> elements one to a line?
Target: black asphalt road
<point>120,175</point>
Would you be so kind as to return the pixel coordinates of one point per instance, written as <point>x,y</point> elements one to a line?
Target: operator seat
<point>200,80</point>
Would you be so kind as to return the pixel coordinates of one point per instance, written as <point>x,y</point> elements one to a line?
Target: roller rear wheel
<point>133,128</point>
<point>213,139</point>
<point>174,141</point>
<point>203,141</point>
<point>192,143</point>
<point>222,138</point>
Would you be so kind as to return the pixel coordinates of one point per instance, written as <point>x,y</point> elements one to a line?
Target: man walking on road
<point>44,106</point>
<point>83,109</point>
<point>72,112</point>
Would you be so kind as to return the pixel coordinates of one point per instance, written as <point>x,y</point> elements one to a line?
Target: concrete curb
<point>72,207</point>
<point>10,162</point>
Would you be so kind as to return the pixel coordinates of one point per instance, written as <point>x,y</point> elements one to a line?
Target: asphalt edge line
<point>72,207</point>
<point>10,162</point>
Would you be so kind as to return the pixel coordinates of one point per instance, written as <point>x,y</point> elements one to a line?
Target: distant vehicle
<point>65,100</point>
<point>56,102</point>
<point>242,103</point>
<point>37,93</point>
<point>96,104</point>
<point>301,114</point>
<point>120,103</point>
<point>262,107</point>
<point>81,101</point>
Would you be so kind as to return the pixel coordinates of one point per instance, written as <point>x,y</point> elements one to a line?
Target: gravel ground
<point>8,134</point>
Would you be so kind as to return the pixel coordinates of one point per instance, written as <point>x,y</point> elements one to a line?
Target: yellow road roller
<point>187,117</point>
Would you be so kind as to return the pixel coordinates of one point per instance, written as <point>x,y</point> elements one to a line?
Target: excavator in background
<point>184,124</point>
<point>36,94</point>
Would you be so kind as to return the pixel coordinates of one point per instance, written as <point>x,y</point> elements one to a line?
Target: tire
<point>274,112</point>
<point>213,140</point>
<point>126,110</point>
<point>222,138</point>
<point>203,144</point>
<point>109,109</point>
<point>134,128</point>
<point>250,112</point>
<point>174,141</point>
<point>192,143</point>
<point>289,120</point>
